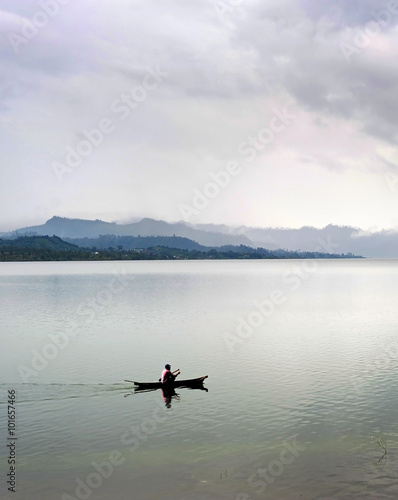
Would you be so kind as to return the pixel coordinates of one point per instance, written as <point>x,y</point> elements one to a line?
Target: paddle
<point>133,382</point>
<point>172,373</point>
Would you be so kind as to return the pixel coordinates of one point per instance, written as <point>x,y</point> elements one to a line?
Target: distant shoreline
<point>107,255</point>
<point>53,248</point>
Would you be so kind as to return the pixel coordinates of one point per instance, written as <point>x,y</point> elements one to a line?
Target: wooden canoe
<point>193,382</point>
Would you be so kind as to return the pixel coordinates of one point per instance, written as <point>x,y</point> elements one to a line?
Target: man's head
<point>167,367</point>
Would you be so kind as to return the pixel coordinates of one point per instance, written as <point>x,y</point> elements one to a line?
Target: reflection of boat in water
<point>168,395</point>
<point>171,389</point>
<point>168,390</point>
<point>190,383</point>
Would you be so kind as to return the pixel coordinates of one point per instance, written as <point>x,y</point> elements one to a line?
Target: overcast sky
<point>255,112</point>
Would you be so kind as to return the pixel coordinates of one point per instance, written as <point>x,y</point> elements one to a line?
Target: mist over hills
<point>80,228</point>
<point>340,239</point>
<point>330,239</point>
<point>138,242</point>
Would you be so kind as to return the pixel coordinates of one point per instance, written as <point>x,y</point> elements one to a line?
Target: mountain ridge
<point>83,228</point>
<point>331,239</point>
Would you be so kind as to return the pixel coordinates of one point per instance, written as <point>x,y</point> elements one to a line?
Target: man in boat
<point>167,375</point>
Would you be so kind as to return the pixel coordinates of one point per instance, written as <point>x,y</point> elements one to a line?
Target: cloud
<point>226,74</point>
<point>314,69</point>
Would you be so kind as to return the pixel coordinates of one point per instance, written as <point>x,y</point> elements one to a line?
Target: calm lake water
<point>302,360</point>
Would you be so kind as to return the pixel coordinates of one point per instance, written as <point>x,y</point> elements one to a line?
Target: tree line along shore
<point>53,248</point>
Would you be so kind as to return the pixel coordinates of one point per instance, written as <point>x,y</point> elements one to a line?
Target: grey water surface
<point>301,399</point>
